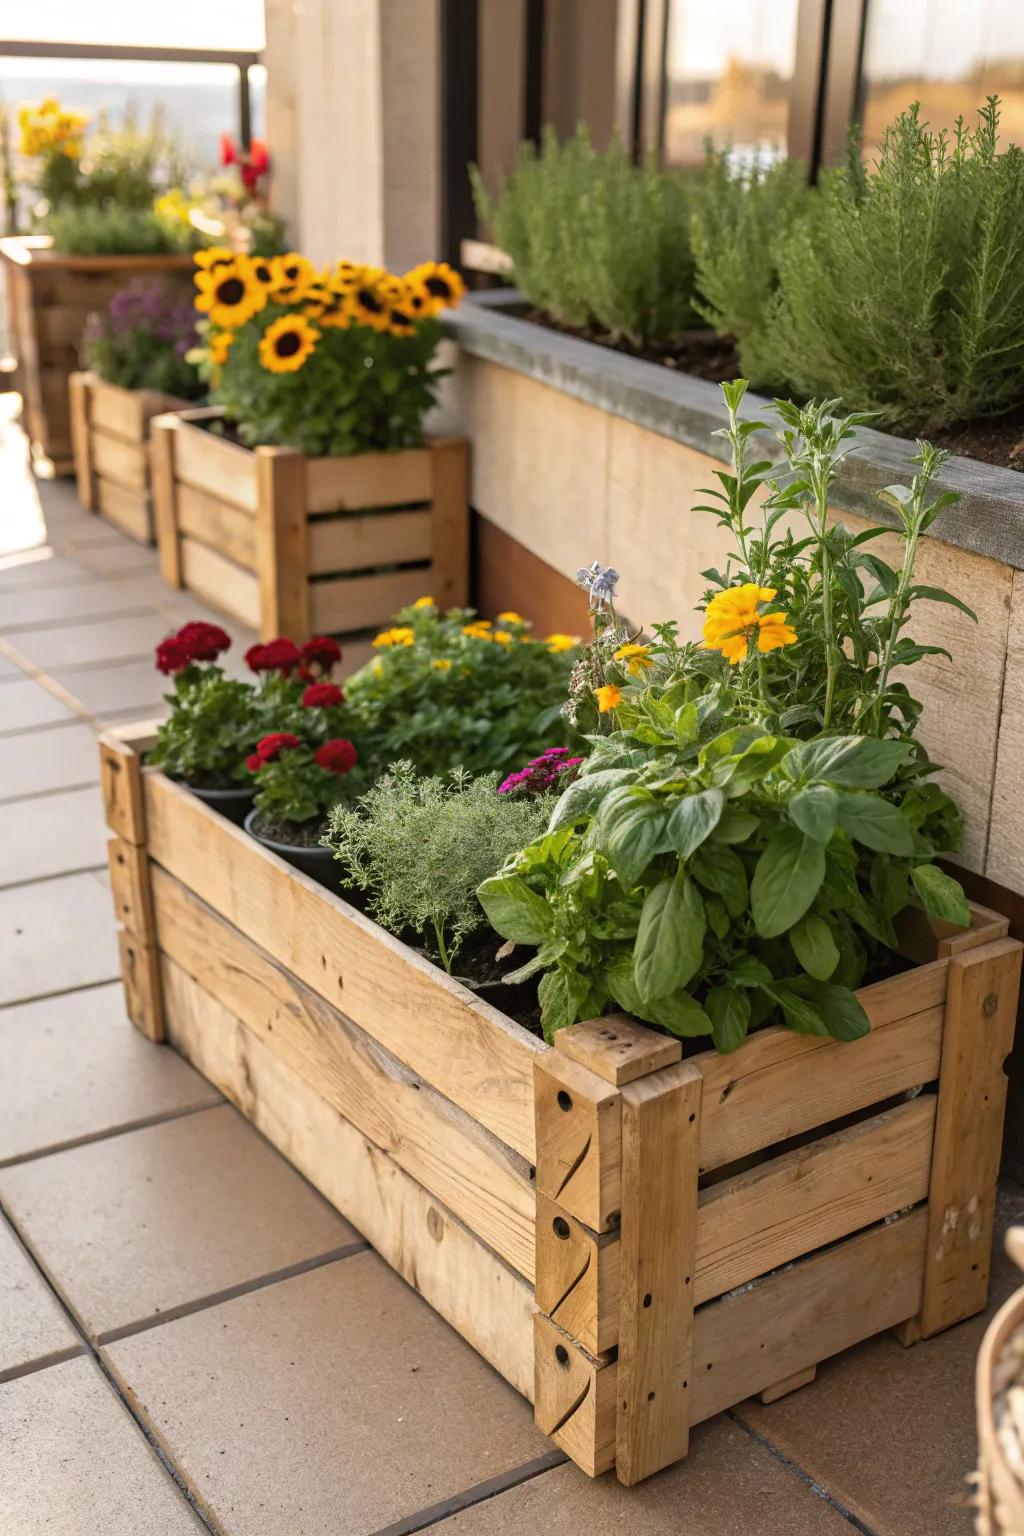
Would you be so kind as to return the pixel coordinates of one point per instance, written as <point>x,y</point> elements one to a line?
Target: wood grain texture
<point>129,868</point>
<point>363,602</point>
<point>214,464</point>
<point>128,510</point>
<point>282,549</point>
<point>122,462</point>
<point>357,543</point>
<point>579,1146</point>
<point>453,1271</point>
<point>224,527</point>
<point>617,1048</point>
<point>481,1181</point>
<point>121,785</point>
<point>577,1277</point>
<point>163,438</point>
<point>119,411</point>
<point>1004,862</point>
<point>369,480</point>
<point>78,407</point>
<point>469,1051</point>
<point>789,1384</point>
<point>220,581</point>
<point>140,973</point>
<point>449,520</point>
<point>574,1398</point>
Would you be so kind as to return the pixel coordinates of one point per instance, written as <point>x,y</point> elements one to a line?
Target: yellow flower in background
<point>219,346</point>
<point>261,270</point>
<point>557,643</point>
<point>439,664</point>
<point>732,622</point>
<point>368,305</point>
<point>401,635</point>
<point>424,602</point>
<point>286,344</point>
<point>49,129</point>
<point>228,295</point>
<point>502,637</point>
<point>635,658</point>
<point>510,618</point>
<point>292,275</point>
<point>440,284</point>
<point>481,630</point>
<point>213,256</point>
<point>607,697</point>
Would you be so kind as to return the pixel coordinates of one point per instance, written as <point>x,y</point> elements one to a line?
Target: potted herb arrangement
<point>742,867</point>
<point>138,368</point>
<point>307,499</point>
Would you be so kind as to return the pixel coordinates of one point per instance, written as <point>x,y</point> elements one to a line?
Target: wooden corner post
<point>121,755</point>
<point>162,431</point>
<point>449,474</point>
<point>282,543</point>
<point>615,1106</point>
<point>81,441</point>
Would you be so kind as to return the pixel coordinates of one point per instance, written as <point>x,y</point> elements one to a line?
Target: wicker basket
<point>1000,1409</point>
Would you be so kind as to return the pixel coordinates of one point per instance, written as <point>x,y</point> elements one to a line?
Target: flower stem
<point>446,959</point>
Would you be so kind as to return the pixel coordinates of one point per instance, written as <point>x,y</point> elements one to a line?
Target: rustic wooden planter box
<point>49,298</point>
<point>634,1241</point>
<point>297,546</point>
<point>110,441</point>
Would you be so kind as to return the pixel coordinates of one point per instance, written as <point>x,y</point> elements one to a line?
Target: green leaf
<point>694,819</point>
<point>628,829</point>
<point>747,971</point>
<point>561,994</point>
<point>718,918</point>
<point>798,1013</point>
<point>680,1013</point>
<point>876,823</point>
<point>940,595</point>
<point>514,911</point>
<point>838,1007</point>
<point>941,895</point>
<point>814,810</point>
<point>735,826</point>
<point>583,797</point>
<point>720,870</point>
<point>853,762</point>
<point>787,879</point>
<point>814,946</point>
<point>670,938</point>
<point>890,886</point>
<point>729,1012</point>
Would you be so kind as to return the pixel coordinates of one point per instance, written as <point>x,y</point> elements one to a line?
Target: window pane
<point>729,77</point>
<point>947,54</point>
<point>233,24</point>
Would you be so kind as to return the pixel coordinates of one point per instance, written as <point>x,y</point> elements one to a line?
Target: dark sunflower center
<point>287,344</point>
<point>369,301</point>
<point>439,287</point>
<point>291,273</point>
<point>262,274</point>
<point>231,291</point>
<point>398,318</point>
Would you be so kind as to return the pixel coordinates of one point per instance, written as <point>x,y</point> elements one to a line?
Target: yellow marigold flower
<point>481,630</point>
<point>439,664</point>
<point>556,643</point>
<point>511,618</point>
<point>607,697</point>
<point>635,658</point>
<point>502,637</point>
<point>228,295</point>
<point>424,602</point>
<point>401,635</point>
<point>732,622</point>
<point>286,344</point>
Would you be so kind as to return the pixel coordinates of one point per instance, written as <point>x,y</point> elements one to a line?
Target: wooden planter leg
<point>162,430</point>
<point>449,467</point>
<point>282,543</point>
<point>81,442</point>
<point>981,1006</point>
<point>788,1384</point>
<point>121,779</point>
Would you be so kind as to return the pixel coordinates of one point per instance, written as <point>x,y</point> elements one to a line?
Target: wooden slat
<point>357,543</point>
<point>780,1083</point>
<point>617,1048</point>
<point>485,1184</point>
<point>127,509</point>
<point>466,1049</point>
<point>574,1398</point>
<point>78,406</point>
<point>981,1014</point>
<point>806,1314</point>
<point>808,1198</point>
<point>115,459</point>
<point>220,581</point>
<point>579,1144</point>
<point>121,783</point>
<point>923,937</point>
<point>789,1384</point>
<point>450,521</point>
<point>359,602</point>
<point>282,555</point>
<point>214,464</point>
<point>117,410</point>
<point>368,480</point>
<point>217,523</point>
<point>660,1138</point>
<point>129,884</point>
<point>140,974</point>
<point>163,435</point>
<point>577,1280</point>
<point>453,1271</point>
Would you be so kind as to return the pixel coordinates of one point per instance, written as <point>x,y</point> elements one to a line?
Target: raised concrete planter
<point>583,453</point>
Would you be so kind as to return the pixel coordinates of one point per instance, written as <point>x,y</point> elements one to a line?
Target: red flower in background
<point>252,163</point>
<point>172,655</point>
<point>269,748</point>
<point>322,696</point>
<point>254,763</point>
<point>322,652</point>
<point>205,640</point>
<point>338,756</point>
<point>276,656</point>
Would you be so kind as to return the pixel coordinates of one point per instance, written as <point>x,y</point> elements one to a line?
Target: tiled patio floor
<point>190,1338</point>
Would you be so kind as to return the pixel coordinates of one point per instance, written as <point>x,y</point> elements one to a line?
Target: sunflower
<point>261,270</point>
<point>229,295</point>
<point>401,323</point>
<point>292,275</point>
<point>213,256</point>
<point>441,284</point>
<point>286,344</point>
<point>368,305</point>
<point>218,347</point>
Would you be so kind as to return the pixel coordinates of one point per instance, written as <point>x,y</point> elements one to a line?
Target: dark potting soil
<point>296,834</point>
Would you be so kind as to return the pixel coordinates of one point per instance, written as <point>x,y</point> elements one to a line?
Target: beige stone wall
<point>576,484</point>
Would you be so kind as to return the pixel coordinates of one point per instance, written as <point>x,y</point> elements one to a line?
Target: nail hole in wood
<point>647,1299</point>
<point>564,1100</point>
<point>650,1397</point>
<point>693,1118</point>
<point>560,1227</point>
<point>561,1354</point>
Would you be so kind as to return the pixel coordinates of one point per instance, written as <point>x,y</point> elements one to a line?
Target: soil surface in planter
<point>296,834</point>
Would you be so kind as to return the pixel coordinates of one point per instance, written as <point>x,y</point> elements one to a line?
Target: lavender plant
<point>143,341</point>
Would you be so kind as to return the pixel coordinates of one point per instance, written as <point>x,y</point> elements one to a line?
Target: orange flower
<point>607,697</point>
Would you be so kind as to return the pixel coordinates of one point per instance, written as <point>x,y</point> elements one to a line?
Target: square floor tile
<point>115,559</point>
<point>335,1401</point>
<point>116,687</point>
<point>34,1328</point>
<point>56,935</point>
<point>727,1486</point>
<point>93,640</point>
<point>37,761</point>
<point>74,1067</point>
<point>151,1221</point>
<point>74,1463</point>
<point>52,834</point>
<point>24,608</point>
<point>42,569</point>
<point>27,704</point>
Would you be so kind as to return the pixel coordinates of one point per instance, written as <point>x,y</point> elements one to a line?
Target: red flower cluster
<point>269,748</point>
<point>338,756</point>
<point>318,656</point>
<point>312,660</point>
<point>275,656</point>
<point>322,696</point>
<point>195,641</point>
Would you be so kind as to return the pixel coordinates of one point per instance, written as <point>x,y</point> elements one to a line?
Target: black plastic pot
<point>318,863</point>
<point>235,804</point>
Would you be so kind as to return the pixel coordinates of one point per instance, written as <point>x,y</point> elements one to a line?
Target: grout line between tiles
<point>56,874</point>
<point>58,789</point>
<point>42,1362</point>
<point>42,997</point>
<point>29,627</point>
<point>161,1117</point>
<point>479,1493</point>
<point>818,1489</point>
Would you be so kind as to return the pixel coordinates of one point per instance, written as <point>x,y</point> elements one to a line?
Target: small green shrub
<point>596,240</point>
<point>901,289</point>
<point>88,230</point>
<point>420,847</point>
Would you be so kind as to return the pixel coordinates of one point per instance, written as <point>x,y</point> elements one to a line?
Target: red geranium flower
<point>276,656</point>
<point>254,763</point>
<point>322,652</point>
<point>322,696</point>
<point>338,756</point>
<point>206,641</point>
<point>268,748</point>
<point>172,655</point>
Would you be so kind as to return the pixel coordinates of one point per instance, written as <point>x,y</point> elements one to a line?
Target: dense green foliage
<point>213,727</point>
<point>111,231</point>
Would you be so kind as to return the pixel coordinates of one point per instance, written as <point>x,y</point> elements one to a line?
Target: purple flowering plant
<point>553,771</point>
<point>142,341</point>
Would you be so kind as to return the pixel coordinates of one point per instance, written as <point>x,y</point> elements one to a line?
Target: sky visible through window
<point>234,24</point>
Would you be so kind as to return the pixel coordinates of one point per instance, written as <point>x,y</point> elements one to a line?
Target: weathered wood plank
<point>450,521</point>
<point>224,584</point>
<point>358,543</point>
<point>208,520</point>
<point>122,462</point>
<point>119,411</point>
<point>130,886</point>
<point>140,973</point>
<point>579,1143</point>
<point>617,1048</point>
<point>361,602</point>
<point>162,439</point>
<point>368,480</point>
<point>574,1398</point>
<point>78,406</point>
<point>469,1051</point>
<point>214,464</point>
<point>127,509</point>
<point>282,552</point>
<point>121,783</point>
<point>577,1283</point>
<point>789,1384</point>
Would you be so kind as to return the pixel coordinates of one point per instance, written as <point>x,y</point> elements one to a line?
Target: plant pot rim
<point>236,793</point>
<point>986,521</point>
<point>307,849</point>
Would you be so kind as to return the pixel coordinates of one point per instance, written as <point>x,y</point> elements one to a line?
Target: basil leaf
<point>514,911</point>
<point>693,819</point>
<point>680,1013</point>
<point>561,994</point>
<point>670,938</point>
<point>582,798</point>
<point>628,829</point>
<point>814,810</point>
<point>735,826</point>
<point>746,971</point>
<point>787,879</point>
<point>814,946</point>
<point>853,762</point>
<point>941,895</point>
<point>729,1012</point>
<point>843,1015</point>
<point>721,871</point>
<point>875,822</point>
<point>798,1013</point>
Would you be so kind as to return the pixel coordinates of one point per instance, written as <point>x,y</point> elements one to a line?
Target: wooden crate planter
<point>299,546</point>
<point>110,440</point>
<point>49,298</point>
<point>636,1242</point>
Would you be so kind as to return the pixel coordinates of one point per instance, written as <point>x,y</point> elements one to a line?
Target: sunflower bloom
<point>401,635</point>
<point>557,643</point>
<point>608,697</point>
<point>368,305</point>
<point>635,658</point>
<point>732,623</point>
<point>292,275</point>
<point>286,344</point>
<point>214,256</point>
<point>228,295</point>
<point>440,283</point>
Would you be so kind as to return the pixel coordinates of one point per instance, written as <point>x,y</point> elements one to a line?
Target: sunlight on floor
<point>21,516</point>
